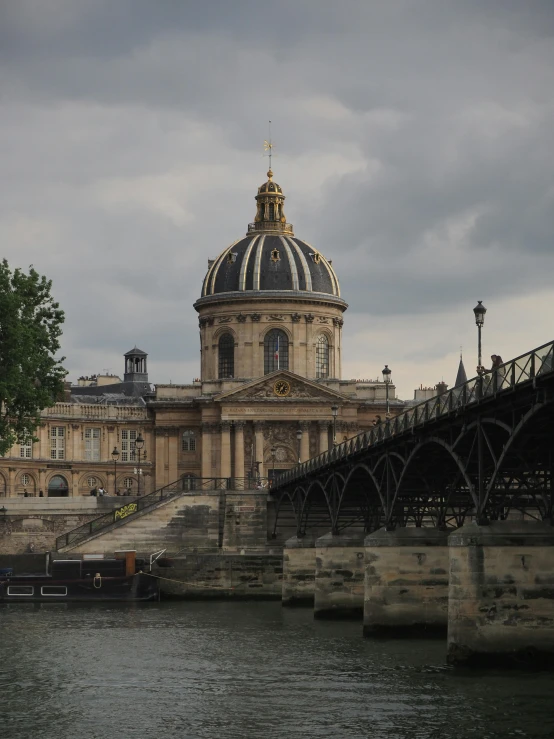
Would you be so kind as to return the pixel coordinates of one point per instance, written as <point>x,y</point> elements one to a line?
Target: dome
<point>270,262</point>
<point>270,257</point>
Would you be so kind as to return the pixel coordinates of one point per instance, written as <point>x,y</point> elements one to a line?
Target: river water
<point>246,671</point>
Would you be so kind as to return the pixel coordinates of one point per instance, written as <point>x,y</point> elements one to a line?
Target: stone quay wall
<point>222,575</point>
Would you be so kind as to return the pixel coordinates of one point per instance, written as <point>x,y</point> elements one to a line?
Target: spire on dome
<point>461,377</point>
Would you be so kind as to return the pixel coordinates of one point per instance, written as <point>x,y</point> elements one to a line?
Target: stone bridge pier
<point>501,594</point>
<point>299,561</point>
<point>339,576</point>
<point>406,582</point>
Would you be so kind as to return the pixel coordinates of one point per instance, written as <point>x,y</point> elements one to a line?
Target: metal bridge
<point>483,450</point>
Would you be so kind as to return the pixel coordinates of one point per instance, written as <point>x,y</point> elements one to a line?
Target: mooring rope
<point>194,584</point>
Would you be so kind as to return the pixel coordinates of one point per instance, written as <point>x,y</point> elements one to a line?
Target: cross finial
<point>268,146</point>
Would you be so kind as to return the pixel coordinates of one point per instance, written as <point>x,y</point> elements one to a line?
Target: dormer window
<point>275,256</point>
<point>316,256</point>
<point>232,257</point>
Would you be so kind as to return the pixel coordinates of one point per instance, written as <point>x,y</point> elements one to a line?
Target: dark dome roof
<point>270,262</point>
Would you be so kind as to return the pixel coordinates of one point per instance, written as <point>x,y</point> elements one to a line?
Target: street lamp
<point>335,412</point>
<point>139,443</point>
<point>273,451</point>
<point>299,439</point>
<point>115,457</point>
<point>386,379</point>
<point>479,312</point>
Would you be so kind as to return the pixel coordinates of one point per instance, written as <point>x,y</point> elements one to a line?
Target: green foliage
<point>30,377</point>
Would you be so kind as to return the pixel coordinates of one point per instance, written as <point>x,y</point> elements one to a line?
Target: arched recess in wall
<point>276,350</point>
<point>58,487</point>
<point>3,486</point>
<point>25,481</point>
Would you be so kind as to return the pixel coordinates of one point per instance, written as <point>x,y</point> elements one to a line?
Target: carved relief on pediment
<point>267,390</point>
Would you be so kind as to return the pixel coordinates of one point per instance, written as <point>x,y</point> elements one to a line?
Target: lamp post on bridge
<point>479,312</point>
<point>139,443</point>
<point>115,457</point>
<point>386,379</point>
<point>335,412</point>
<point>299,439</point>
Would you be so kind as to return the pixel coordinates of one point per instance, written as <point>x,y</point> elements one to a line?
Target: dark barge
<point>92,578</point>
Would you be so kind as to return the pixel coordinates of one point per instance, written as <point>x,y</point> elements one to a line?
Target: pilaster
<point>259,433</point>
<point>225,470</point>
<point>239,448</point>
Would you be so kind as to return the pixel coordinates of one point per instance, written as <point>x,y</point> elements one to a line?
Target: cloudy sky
<point>415,143</point>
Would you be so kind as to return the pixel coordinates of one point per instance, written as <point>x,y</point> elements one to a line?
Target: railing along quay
<point>522,369</point>
<point>187,485</point>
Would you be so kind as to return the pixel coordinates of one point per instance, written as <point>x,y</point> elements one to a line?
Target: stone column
<point>406,582</point>
<point>501,595</point>
<point>160,457</point>
<point>42,481</point>
<point>259,432</point>
<point>207,450</point>
<point>11,483</point>
<point>173,455</point>
<point>225,470</point>
<point>299,571</point>
<point>339,576</point>
<point>305,441</point>
<point>323,436</point>
<point>239,449</point>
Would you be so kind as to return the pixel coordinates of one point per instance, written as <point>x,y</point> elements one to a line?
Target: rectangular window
<point>57,442</point>
<point>59,590</point>
<point>128,445</point>
<point>20,590</point>
<point>92,445</point>
<point>26,449</point>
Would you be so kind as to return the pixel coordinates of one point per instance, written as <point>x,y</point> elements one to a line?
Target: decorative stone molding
<point>323,319</point>
<point>275,317</point>
<point>324,425</point>
<point>296,317</point>
<point>304,426</point>
<point>259,426</point>
<point>225,426</point>
<point>241,318</point>
<point>309,317</point>
<point>75,426</point>
<point>224,319</point>
<point>210,428</point>
<point>255,317</point>
<point>239,425</point>
<point>338,322</point>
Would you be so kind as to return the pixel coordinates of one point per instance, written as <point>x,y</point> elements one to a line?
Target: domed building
<point>270,391</point>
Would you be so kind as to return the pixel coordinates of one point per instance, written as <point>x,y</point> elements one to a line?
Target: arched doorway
<point>58,487</point>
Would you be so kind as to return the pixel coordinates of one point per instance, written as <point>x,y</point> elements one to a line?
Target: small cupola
<point>135,366</point>
<point>270,214</point>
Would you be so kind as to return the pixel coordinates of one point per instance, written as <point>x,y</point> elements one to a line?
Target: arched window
<point>128,483</point>
<point>272,211</point>
<point>226,356</point>
<point>322,356</point>
<point>276,350</point>
<point>188,441</point>
<point>92,482</point>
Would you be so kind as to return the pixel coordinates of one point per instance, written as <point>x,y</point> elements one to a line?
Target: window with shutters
<point>92,445</point>
<point>57,442</point>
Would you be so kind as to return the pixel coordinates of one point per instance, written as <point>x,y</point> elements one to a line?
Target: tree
<point>30,377</point>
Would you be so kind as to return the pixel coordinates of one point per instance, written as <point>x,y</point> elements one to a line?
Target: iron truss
<point>482,450</point>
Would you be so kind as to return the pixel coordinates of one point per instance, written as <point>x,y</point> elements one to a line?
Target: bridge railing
<point>507,376</point>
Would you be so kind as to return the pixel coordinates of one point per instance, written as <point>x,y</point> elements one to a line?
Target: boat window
<point>20,590</point>
<point>53,590</point>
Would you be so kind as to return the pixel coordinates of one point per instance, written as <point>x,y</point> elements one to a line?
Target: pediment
<point>299,388</point>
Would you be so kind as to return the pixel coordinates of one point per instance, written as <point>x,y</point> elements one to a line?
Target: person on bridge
<point>498,372</point>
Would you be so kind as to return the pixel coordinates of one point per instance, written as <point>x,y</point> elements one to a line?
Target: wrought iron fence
<point>526,368</point>
<point>185,485</point>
